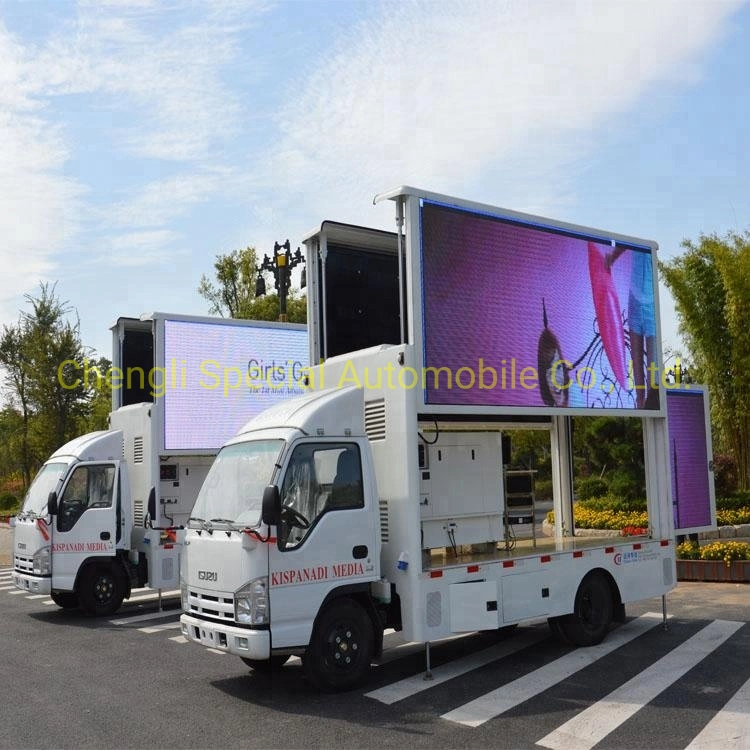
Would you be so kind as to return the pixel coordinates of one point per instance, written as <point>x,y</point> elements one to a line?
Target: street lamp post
<point>280,266</point>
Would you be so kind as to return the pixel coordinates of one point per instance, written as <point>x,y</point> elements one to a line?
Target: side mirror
<point>151,506</point>
<point>52,503</point>
<point>271,508</point>
<point>12,522</point>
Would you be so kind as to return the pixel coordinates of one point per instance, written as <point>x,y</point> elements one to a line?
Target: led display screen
<point>523,315</point>
<point>217,377</point>
<point>689,460</point>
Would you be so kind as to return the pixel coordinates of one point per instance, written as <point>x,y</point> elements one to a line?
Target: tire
<point>592,614</point>
<point>101,590</point>
<point>65,599</point>
<point>340,650</point>
<point>555,627</point>
<point>266,666</point>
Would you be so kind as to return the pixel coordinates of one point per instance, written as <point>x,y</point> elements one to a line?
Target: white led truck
<point>107,511</point>
<point>383,498</point>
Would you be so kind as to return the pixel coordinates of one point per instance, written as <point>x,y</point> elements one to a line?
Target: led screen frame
<point>490,285</point>
<point>200,407</point>
<point>691,459</point>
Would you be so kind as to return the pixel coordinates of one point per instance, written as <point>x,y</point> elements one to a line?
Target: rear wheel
<point>592,614</point>
<point>65,599</point>
<point>338,657</point>
<point>266,666</point>
<point>101,591</point>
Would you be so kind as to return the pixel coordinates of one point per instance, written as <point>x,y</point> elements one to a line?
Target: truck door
<point>86,524</point>
<point>327,536</point>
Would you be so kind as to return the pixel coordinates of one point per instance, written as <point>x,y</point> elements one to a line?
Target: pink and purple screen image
<point>528,316</point>
<point>689,459</point>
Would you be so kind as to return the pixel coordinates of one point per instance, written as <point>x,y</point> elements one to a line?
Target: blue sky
<point>139,139</point>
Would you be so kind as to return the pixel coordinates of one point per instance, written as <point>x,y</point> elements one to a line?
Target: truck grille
<point>212,607</point>
<point>23,564</point>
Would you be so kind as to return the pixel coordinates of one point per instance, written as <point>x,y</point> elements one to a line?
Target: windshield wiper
<point>230,521</point>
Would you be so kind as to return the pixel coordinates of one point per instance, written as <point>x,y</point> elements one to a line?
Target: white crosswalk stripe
<point>596,722</point>
<point>730,728</point>
<point>494,703</point>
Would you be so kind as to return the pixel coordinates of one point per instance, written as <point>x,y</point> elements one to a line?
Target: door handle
<point>104,536</point>
<point>359,552</point>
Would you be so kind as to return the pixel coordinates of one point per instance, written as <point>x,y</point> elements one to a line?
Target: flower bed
<point>718,561</point>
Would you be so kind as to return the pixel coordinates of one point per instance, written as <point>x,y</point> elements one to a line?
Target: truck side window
<point>318,479</point>
<point>88,487</point>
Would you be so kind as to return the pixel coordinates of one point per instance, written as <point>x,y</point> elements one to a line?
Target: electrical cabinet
<point>460,490</point>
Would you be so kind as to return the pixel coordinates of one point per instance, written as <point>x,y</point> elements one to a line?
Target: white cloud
<point>441,94</point>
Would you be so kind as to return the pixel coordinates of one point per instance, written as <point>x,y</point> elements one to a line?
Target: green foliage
<point>543,489</point>
<point>710,284</point>
<point>8,501</point>
<point>590,487</point>
<point>613,502</point>
<point>610,448</point>
<point>233,293</point>
<point>44,413</point>
<point>725,474</point>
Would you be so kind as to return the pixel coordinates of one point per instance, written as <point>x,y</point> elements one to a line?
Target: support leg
<point>428,670</point>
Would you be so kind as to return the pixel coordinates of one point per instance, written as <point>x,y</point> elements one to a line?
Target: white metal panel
<point>474,606</point>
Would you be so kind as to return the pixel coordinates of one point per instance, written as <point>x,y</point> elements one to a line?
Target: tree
<point>39,355</point>
<point>710,284</point>
<point>233,294</point>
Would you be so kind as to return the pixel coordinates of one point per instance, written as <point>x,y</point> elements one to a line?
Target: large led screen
<point>689,461</point>
<point>523,315</point>
<point>219,376</point>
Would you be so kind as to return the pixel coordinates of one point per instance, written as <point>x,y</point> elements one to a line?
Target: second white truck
<point>107,511</point>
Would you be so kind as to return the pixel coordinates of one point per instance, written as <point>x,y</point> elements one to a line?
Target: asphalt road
<point>131,681</point>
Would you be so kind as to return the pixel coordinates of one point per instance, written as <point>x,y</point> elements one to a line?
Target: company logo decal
<point>317,573</point>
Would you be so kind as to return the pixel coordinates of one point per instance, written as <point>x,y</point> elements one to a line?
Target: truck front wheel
<point>65,599</point>
<point>101,590</point>
<point>338,657</point>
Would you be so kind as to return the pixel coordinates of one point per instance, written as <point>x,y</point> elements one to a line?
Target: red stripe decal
<point>472,569</point>
<point>507,563</point>
<point>578,554</point>
<point>636,546</point>
<point>545,558</point>
<point>664,542</point>
<point>436,574</point>
<point>609,550</point>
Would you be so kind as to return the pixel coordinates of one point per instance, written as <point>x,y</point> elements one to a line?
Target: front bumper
<point>32,584</point>
<point>252,644</point>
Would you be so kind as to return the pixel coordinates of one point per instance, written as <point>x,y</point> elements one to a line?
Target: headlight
<point>41,562</point>
<point>251,603</point>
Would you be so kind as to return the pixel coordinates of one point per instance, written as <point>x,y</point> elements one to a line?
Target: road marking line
<point>7,588</point>
<point>159,628</point>
<point>179,639</point>
<point>142,618</point>
<point>17,592</point>
<point>48,602</point>
<point>38,596</point>
<point>496,702</point>
<point>728,728</point>
<point>216,651</point>
<point>593,724</point>
<point>409,686</point>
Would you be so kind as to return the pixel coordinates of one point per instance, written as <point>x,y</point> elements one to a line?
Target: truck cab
<point>303,469</point>
<point>74,514</point>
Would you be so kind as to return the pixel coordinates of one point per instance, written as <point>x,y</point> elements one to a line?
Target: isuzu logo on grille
<point>208,575</point>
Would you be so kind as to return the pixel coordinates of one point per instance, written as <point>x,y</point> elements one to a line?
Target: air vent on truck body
<point>138,449</point>
<point>383,507</point>
<point>375,419</point>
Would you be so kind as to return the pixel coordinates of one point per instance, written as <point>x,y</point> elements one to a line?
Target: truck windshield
<point>233,490</point>
<point>47,480</point>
